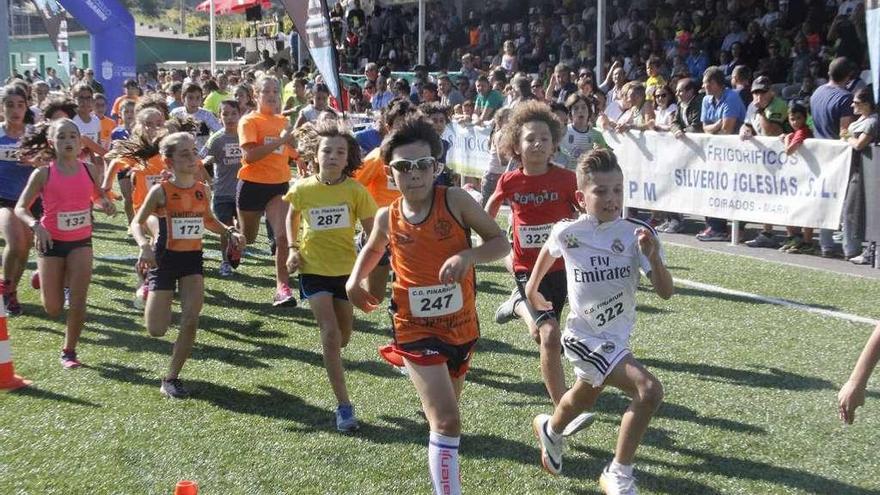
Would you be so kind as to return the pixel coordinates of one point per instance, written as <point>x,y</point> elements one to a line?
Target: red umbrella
<point>232,6</point>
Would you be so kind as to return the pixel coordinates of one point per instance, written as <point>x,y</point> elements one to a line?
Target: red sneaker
<point>35,280</point>
<point>233,255</point>
<point>69,360</point>
<point>284,297</point>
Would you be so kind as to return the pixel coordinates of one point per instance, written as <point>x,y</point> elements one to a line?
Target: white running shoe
<point>507,311</point>
<point>581,422</point>
<point>613,483</point>
<point>673,226</point>
<point>225,269</point>
<point>551,451</point>
<point>140,297</point>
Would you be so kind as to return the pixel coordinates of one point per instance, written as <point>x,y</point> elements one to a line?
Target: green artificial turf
<point>749,407</point>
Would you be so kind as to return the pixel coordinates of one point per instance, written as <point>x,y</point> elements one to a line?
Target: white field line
<point>212,254</point>
<point>779,302</point>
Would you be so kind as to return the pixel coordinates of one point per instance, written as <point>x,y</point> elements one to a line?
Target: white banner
<point>469,154</point>
<point>726,177</point>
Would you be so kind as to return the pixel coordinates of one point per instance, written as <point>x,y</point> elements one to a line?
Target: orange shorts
<point>431,351</point>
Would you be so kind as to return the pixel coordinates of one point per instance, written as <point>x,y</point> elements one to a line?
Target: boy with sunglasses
<point>433,297</point>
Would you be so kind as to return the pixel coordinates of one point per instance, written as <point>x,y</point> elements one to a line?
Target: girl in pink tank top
<point>67,203</point>
<point>63,237</point>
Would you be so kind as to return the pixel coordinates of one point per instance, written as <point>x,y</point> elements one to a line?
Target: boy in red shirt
<point>540,194</point>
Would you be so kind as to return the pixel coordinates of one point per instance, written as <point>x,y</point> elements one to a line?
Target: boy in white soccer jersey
<point>602,254</point>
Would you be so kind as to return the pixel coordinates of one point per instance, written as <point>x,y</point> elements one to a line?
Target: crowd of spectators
<point>787,40</point>
<point>746,67</point>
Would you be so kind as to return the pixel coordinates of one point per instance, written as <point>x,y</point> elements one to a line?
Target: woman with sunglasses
<point>665,108</point>
<point>537,90</point>
<point>860,134</point>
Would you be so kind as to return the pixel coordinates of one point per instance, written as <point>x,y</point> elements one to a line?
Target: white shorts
<point>593,357</point>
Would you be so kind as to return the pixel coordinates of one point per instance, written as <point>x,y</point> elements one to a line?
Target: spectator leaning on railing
<point>449,95</point>
<point>860,134</point>
<point>722,113</point>
<point>487,101</point>
<point>767,115</point>
<point>690,107</point>
<point>382,97</point>
<point>831,106</point>
<point>686,119</point>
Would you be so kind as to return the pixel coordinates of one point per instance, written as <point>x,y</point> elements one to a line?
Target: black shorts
<point>172,266</point>
<point>224,209</point>
<point>553,287</point>
<point>362,241</point>
<point>253,196</point>
<point>312,285</point>
<point>430,351</point>
<point>60,249</point>
<point>123,174</point>
<point>36,208</point>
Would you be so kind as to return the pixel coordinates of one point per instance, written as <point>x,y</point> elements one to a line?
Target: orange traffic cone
<point>8,379</point>
<point>186,487</point>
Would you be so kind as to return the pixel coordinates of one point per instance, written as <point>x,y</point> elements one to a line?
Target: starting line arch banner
<point>111,28</point>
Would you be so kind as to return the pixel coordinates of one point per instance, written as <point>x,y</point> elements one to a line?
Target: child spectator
<point>797,242</point>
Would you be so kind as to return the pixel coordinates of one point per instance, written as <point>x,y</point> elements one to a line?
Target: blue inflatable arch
<point>111,28</point>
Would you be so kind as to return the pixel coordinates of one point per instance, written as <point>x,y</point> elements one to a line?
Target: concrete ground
<point>694,224</point>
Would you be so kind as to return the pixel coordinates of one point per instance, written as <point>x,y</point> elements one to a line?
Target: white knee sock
<point>443,462</point>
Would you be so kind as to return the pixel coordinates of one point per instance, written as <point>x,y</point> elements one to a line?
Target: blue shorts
<point>224,209</point>
<point>312,285</point>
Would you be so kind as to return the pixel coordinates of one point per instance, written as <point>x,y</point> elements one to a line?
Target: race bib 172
<point>187,228</point>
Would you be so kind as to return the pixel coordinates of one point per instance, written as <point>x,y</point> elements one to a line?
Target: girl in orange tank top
<point>433,300</point>
<point>140,154</point>
<point>182,202</point>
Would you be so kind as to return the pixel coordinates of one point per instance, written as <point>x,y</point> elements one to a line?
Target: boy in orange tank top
<point>433,295</point>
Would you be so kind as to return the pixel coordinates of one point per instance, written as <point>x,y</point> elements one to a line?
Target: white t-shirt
<point>574,144</point>
<point>665,117</point>
<point>91,130</point>
<point>207,120</point>
<point>602,264</point>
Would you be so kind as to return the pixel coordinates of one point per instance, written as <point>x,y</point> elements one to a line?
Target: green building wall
<point>149,51</point>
